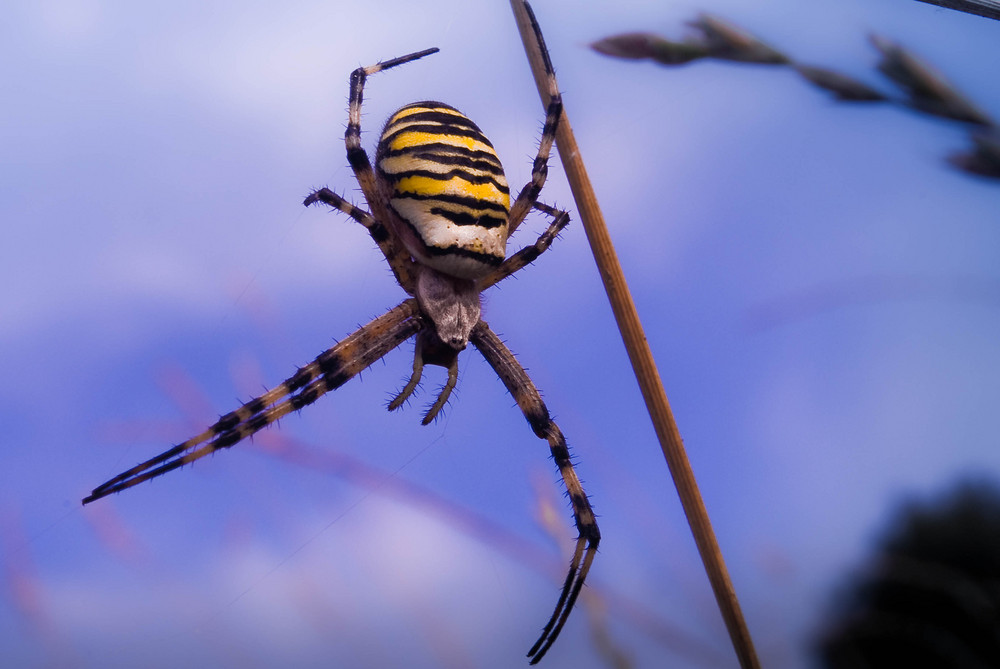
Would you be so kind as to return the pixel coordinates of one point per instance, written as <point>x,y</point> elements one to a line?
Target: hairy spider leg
<point>397,257</point>
<point>530,253</point>
<point>539,171</point>
<point>331,369</point>
<point>519,385</point>
<point>400,260</point>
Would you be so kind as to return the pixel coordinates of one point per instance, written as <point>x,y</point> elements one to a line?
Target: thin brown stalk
<point>642,359</point>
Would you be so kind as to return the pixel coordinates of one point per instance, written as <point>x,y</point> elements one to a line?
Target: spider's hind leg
<point>432,351</point>
<point>530,402</point>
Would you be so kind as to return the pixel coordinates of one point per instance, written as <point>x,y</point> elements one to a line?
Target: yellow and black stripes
<point>331,369</point>
<point>444,182</point>
<point>519,385</point>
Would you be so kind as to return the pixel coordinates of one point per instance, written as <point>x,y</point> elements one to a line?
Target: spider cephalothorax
<point>441,214</point>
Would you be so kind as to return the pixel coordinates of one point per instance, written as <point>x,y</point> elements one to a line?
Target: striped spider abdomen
<point>446,190</point>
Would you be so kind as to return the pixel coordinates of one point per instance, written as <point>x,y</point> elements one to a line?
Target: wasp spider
<point>441,215</point>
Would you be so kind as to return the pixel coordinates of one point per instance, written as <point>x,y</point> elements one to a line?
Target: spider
<point>441,215</point>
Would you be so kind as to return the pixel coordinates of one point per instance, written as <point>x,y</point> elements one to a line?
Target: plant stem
<point>642,360</point>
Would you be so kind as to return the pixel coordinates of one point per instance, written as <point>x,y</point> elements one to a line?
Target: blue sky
<point>819,288</point>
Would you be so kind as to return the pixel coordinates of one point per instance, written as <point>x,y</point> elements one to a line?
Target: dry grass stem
<point>642,359</point>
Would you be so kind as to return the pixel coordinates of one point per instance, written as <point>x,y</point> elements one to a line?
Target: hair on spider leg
<point>403,396</point>
<point>434,409</point>
<point>398,400</point>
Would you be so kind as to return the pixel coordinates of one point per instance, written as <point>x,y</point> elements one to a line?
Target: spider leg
<point>443,394</point>
<point>539,170</point>
<point>432,351</point>
<point>528,254</point>
<point>411,385</point>
<point>331,369</point>
<point>530,402</point>
<point>362,166</point>
<point>397,256</point>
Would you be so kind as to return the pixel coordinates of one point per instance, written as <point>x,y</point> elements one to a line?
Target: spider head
<point>451,303</point>
<point>435,352</point>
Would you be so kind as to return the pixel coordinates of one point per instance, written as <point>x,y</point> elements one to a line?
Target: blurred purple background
<point>820,289</point>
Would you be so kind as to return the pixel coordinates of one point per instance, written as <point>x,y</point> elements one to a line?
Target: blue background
<point>820,290</point>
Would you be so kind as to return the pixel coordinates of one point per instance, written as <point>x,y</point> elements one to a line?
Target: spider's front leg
<point>432,351</point>
<point>398,258</point>
<point>392,248</point>
<point>529,254</point>
<point>453,306</point>
<point>553,113</point>
<point>530,402</point>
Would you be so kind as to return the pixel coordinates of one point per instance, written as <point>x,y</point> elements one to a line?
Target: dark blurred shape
<point>988,8</point>
<point>640,46</point>
<point>729,42</point>
<point>984,159</point>
<point>928,90</point>
<point>841,85</point>
<point>931,597</point>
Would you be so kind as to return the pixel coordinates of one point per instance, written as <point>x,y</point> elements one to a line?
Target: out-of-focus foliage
<point>931,596</point>
<point>924,89</point>
<point>927,90</point>
<point>984,159</point>
<point>729,42</point>
<point>640,46</point>
<point>841,85</point>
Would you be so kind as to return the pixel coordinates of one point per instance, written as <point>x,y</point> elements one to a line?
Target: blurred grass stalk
<point>988,8</point>
<point>641,358</point>
<point>923,88</point>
